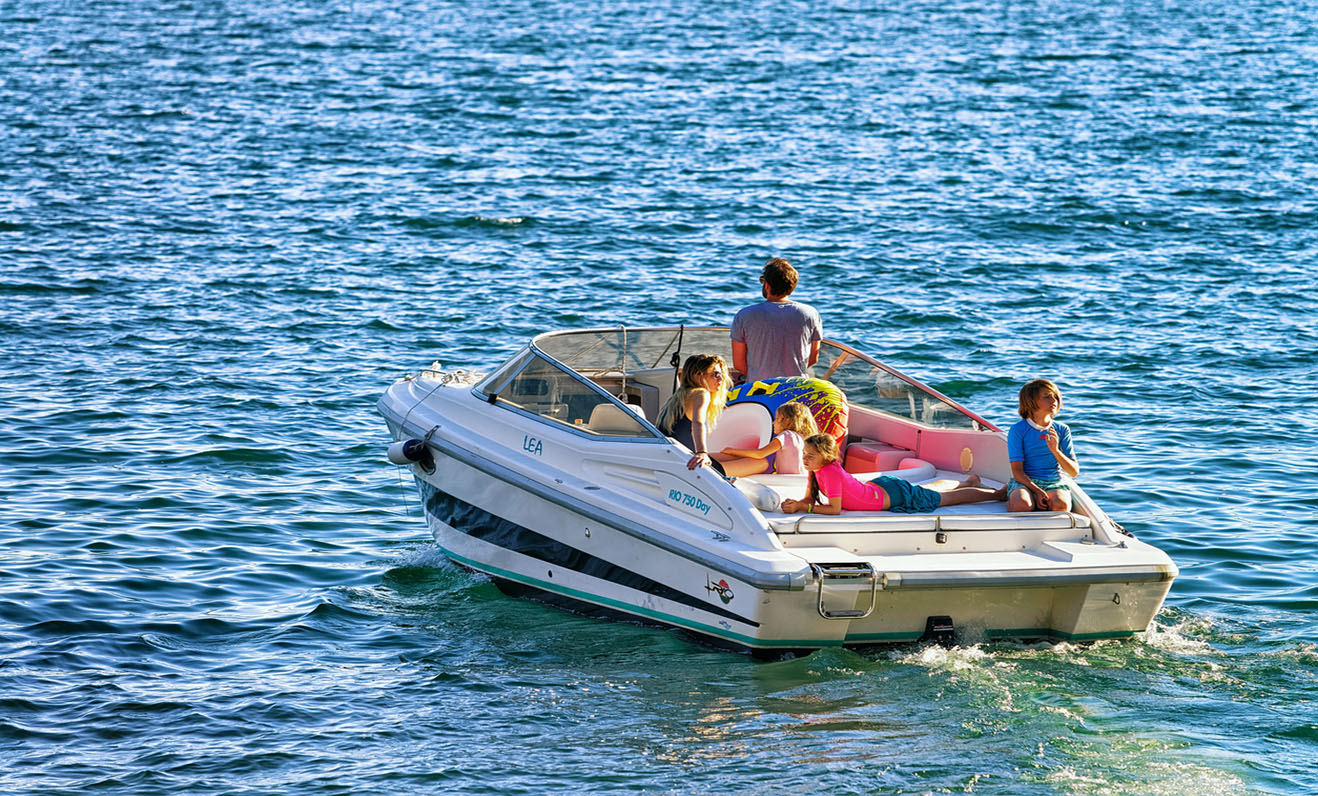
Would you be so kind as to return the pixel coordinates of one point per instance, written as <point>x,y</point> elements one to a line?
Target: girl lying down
<point>885,493</point>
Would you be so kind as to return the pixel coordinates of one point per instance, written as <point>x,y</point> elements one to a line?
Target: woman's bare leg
<point>735,467</point>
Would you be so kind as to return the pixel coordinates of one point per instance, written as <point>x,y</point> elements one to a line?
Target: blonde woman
<point>691,413</point>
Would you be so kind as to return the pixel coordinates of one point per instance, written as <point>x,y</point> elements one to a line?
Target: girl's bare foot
<point>971,480</point>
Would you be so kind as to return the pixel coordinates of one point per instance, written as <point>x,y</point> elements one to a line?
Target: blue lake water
<point>226,227</point>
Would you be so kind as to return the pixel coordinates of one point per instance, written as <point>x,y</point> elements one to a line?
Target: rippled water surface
<point>226,227</point>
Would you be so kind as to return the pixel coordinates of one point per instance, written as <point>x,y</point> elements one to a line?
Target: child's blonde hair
<point>1029,400</point>
<point>826,447</point>
<point>798,417</point>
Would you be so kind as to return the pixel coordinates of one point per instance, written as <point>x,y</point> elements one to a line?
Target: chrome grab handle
<point>836,572</point>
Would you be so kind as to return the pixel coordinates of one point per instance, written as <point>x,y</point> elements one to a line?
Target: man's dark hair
<point>779,276</point>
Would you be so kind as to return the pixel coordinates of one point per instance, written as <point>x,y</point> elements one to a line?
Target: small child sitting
<point>792,423</point>
<point>1039,450</point>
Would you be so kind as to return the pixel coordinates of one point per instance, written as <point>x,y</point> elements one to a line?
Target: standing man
<point>776,337</point>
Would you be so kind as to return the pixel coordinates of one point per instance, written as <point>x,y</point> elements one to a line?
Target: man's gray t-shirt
<point>778,337</point>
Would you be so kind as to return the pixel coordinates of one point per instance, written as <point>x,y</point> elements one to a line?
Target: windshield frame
<point>848,352</point>
<point>489,389</point>
<point>684,340</point>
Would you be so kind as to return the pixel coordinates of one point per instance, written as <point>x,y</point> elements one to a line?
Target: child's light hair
<point>826,447</point>
<point>1030,395</point>
<point>798,417</point>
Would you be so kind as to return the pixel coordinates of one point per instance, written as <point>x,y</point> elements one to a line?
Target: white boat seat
<point>637,410</point>
<point>746,425</point>
<point>611,419</point>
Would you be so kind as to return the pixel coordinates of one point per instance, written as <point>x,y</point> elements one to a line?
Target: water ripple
<point>225,228</point>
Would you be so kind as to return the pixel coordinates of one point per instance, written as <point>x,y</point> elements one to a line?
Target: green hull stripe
<point>1047,631</point>
<point>750,641</point>
<point>744,640</point>
<point>862,638</point>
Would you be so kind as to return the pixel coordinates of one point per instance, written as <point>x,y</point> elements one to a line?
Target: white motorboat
<point>550,476</point>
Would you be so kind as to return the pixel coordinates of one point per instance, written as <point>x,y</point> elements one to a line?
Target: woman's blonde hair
<point>826,447</point>
<point>799,418</point>
<point>695,366</point>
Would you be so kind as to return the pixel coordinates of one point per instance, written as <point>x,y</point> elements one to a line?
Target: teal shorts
<point>1047,486</point>
<point>907,498</point>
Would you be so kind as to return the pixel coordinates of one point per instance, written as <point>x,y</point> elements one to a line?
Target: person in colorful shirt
<point>844,491</point>
<point>1039,450</point>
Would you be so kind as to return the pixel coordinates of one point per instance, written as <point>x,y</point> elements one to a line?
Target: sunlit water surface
<point>226,227</point>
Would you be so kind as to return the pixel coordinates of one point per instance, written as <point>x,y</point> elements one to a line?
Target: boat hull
<point>537,548</point>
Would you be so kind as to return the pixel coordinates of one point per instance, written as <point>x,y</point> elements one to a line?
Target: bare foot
<point>971,480</point>
<point>1000,493</point>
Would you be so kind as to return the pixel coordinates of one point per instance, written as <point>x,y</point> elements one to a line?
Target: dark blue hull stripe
<point>480,524</point>
<point>515,589</point>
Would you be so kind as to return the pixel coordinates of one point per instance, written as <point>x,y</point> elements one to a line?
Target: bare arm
<point>757,453</point>
<point>739,357</point>
<point>1069,466</point>
<point>1018,472</point>
<point>697,404</point>
<point>832,508</point>
<point>793,506</point>
<point>814,353</point>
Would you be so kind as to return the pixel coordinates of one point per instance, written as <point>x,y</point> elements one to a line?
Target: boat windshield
<point>869,383</point>
<point>619,350</point>
<point>623,352</point>
<point>540,387</point>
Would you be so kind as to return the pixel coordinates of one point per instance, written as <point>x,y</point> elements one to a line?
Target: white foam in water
<point>1172,637</point>
<point>429,556</point>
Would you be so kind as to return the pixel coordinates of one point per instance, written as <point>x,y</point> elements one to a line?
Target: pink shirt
<point>788,458</point>
<point>856,495</point>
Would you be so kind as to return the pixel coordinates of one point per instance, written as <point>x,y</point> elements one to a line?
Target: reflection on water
<point>224,229</point>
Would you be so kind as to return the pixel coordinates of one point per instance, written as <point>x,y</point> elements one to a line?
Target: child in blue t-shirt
<point>1039,450</point>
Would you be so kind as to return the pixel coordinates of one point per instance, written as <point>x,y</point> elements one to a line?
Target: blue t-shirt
<point>1025,444</point>
<point>778,337</point>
